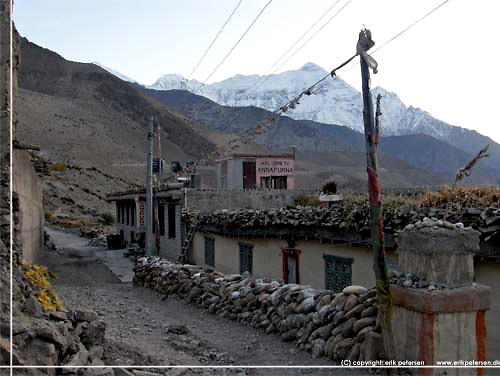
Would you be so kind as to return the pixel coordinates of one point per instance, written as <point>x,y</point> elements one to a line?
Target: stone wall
<point>339,326</point>
<point>209,201</point>
<point>27,186</point>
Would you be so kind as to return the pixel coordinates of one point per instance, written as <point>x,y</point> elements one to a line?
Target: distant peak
<point>171,76</point>
<point>311,67</point>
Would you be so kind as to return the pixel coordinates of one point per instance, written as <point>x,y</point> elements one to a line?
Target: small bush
<point>306,200</point>
<point>49,217</point>
<point>330,188</point>
<point>107,219</point>
<point>59,167</point>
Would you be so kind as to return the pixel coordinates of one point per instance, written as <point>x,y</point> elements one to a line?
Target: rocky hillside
<point>82,114</point>
<point>91,129</point>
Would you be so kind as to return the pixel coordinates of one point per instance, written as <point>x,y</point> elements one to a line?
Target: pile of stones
<point>434,224</point>
<point>68,338</point>
<point>341,325</point>
<point>411,280</point>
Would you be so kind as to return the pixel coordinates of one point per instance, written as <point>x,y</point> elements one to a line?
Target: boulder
<point>338,318</point>
<point>367,295</point>
<point>373,348</point>
<point>318,348</point>
<point>354,353</point>
<point>51,334</point>
<point>355,312</point>
<point>358,290</point>
<point>343,348</point>
<point>94,334</point>
<point>362,323</point>
<point>369,311</point>
<point>84,315</point>
<point>352,300</point>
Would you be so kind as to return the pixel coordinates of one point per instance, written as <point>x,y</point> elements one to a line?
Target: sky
<point>443,65</point>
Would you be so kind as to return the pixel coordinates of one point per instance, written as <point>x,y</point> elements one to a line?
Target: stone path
<point>117,263</point>
<point>144,329</point>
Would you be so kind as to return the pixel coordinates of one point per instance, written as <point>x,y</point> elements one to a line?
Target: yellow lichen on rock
<point>39,276</point>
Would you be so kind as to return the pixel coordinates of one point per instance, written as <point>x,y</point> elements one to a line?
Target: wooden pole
<point>379,262</point>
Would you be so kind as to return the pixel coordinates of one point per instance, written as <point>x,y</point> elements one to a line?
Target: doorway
<point>291,265</point>
<point>249,175</point>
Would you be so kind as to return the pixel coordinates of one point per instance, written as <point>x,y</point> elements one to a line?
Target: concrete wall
<point>212,200</point>
<point>488,273</point>
<point>27,185</point>
<point>268,262</point>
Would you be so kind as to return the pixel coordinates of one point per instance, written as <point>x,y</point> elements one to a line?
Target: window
<point>171,221</point>
<point>161,218</point>
<point>246,258</point>
<point>279,182</point>
<point>338,272</point>
<point>210,252</point>
<point>118,212</point>
<point>127,210</point>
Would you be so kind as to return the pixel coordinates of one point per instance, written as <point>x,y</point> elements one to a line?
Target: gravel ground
<point>144,329</point>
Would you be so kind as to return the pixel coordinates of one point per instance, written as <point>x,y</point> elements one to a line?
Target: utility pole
<point>385,301</point>
<point>149,192</point>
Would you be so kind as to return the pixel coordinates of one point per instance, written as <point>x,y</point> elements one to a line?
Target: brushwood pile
<point>352,219</point>
<point>342,325</point>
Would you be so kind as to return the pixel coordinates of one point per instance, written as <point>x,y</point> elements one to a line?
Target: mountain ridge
<point>311,136</point>
<point>336,102</point>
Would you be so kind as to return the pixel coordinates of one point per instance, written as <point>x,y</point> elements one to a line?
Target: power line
<point>291,104</point>
<point>309,91</point>
<point>217,36</point>
<point>302,46</point>
<point>401,32</point>
<point>293,45</point>
<point>232,49</point>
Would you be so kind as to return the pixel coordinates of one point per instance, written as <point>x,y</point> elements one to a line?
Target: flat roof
<point>266,155</point>
<point>164,189</point>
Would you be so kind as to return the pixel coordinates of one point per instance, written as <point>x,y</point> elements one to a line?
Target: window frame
<point>332,260</point>
<point>246,250</point>
<point>210,251</point>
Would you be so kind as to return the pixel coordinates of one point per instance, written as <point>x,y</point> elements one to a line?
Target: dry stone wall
<point>336,325</point>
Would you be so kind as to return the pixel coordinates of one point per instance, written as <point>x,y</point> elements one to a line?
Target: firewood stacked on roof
<point>353,219</point>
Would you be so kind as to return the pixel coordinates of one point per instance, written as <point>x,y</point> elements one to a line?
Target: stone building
<point>320,248</point>
<point>250,171</point>
<point>130,217</point>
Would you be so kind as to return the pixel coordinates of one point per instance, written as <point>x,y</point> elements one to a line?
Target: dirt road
<point>144,329</point>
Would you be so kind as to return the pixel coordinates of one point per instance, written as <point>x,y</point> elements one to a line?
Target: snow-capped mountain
<point>115,73</point>
<point>334,102</point>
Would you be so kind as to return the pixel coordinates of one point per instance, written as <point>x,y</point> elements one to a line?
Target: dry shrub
<point>306,200</point>
<point>462,197</point>
<point>58,167</point>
